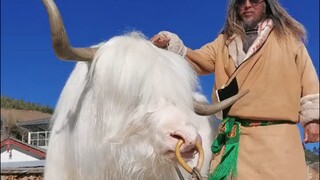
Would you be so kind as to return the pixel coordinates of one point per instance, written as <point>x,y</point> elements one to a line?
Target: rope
<point>178,172</point>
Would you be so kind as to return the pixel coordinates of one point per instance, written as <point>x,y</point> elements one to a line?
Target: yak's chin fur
<point>105,124</point>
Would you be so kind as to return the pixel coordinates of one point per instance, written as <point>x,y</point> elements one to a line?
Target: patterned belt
<point>229,136</point>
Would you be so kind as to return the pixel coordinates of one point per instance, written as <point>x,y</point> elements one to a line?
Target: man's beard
<point>250,25</point>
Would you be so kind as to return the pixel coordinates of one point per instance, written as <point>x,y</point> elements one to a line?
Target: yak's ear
<point>60,42</point>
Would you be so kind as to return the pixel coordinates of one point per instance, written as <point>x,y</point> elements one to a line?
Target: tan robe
<point>281,75</point>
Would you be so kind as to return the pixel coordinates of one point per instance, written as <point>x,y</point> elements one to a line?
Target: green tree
<point>310,156</point>
<point>10,103</point>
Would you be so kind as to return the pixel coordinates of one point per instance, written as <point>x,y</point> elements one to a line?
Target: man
<point>261,49</point>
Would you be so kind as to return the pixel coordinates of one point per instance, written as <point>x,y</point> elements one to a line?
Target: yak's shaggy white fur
<point>115,115</point>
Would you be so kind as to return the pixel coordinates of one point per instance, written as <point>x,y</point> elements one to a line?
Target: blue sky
<point>30,70</point>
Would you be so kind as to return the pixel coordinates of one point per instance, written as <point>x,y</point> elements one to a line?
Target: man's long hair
<point>284,24</point>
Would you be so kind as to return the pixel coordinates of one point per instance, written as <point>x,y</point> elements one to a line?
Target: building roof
<point>36,124</point>
<point>24,167</point>
<point>33,151</point>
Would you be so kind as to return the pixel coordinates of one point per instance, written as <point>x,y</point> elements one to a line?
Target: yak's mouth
<point>186,155</point>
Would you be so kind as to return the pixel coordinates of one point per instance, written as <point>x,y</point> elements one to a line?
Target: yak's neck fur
<point>104,126</point>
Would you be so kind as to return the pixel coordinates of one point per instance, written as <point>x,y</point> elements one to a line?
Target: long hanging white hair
<point>105,126</point>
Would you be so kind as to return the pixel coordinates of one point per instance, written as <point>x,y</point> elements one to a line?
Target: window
<point>40,138</point>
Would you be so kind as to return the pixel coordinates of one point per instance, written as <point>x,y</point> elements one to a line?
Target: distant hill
<point>10,103</point>
<point>16,111</point>
<point>22,115</point>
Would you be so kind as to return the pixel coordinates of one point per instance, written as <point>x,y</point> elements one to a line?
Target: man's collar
<point>261,26</point>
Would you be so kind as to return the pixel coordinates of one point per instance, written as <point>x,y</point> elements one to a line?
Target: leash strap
<point>178,172</point>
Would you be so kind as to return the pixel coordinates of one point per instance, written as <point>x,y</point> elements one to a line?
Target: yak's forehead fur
<point>106,112</point>
<point>132,79</point>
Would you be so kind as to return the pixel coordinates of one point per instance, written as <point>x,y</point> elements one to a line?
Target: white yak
<point>122,112</point>
<point>120,116</point>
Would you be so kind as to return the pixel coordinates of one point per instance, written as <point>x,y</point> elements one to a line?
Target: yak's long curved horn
<point>60,41</point>
<point>205,109</point>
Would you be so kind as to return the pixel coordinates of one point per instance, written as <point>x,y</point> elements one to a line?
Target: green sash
<point>229,136</point>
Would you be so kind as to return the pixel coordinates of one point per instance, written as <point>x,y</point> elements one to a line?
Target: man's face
<point>251,12</point>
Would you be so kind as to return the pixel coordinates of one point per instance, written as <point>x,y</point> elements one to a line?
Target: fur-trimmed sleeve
<point>309,103</point>
<point>309,108</point>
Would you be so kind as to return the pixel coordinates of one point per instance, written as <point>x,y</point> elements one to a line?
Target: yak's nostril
<point>179,136</point>
<point>176,136</point>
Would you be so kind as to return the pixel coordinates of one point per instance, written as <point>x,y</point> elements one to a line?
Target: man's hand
<point>311,132</point>
<point>160,41</point>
